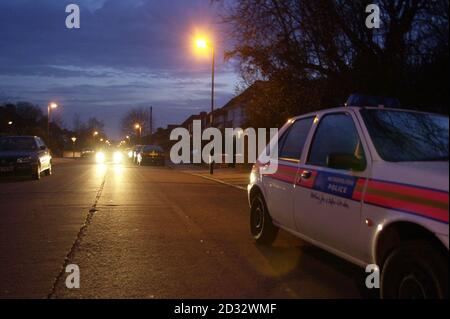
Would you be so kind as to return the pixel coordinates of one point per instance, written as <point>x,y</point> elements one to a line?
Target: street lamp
<point>74,139</point>
<point>203,44</point>
<point>139,128</point>
<point>10,123</point>
<point>94,135</point>
<point>50,107</point>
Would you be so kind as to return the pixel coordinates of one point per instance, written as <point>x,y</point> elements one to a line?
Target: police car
<point>369,184</point>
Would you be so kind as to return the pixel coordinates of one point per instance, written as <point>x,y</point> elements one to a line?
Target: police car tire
<point>37,174</point>
<point>415,262</point>
<point>266,234</point>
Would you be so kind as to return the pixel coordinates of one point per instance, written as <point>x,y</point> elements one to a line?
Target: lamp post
<point>94,136</point>
<point>74,139</point>
<point>50,107</point>
<point>138,127</point>
<point>204,44</point>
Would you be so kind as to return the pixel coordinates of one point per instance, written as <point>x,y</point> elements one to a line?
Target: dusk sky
<point>126,54</point>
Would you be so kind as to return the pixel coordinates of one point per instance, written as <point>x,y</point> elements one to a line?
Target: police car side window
<point>294,140</point>
<point>39,142</point>
<point>336,133</point>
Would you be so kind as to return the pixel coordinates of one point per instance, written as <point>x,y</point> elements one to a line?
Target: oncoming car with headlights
<point>115,156</point>
<point>24,155</point>
<point>368,184</point>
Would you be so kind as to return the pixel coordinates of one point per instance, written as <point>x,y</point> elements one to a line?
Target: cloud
<point>126,53</point>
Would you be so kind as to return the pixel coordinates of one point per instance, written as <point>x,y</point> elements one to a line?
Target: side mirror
<point>345,161</point>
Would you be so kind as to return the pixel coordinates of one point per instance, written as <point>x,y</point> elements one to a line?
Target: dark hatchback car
<point>151,154</point>
<point>24,155</point>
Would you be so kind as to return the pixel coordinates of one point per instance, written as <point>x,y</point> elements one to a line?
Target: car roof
<point>357,108</point>
<point>18,136</point>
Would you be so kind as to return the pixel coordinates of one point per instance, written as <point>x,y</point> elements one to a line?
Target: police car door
<point>280,185</point>
<point>327,205</point>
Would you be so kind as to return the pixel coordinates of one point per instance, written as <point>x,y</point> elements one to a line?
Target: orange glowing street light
<point>201,43</point>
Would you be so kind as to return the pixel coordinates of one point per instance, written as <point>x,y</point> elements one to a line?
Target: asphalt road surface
<point>150,232</point>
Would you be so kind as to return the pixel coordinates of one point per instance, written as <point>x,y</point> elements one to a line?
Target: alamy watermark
<point>73,20</point>
<point>73,279</point>
<point>235,145</point>
<point>373,277</point>
<point>373,20</point>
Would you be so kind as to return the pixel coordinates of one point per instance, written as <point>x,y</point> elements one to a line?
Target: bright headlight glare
<point>117,157</point>
<point>252,177</point>
<point>100,157</point>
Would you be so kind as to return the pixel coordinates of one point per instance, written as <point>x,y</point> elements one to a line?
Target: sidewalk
<point>236,177</point>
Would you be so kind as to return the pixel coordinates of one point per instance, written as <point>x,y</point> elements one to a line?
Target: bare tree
<point>315,53</point>
<point>138,115</point>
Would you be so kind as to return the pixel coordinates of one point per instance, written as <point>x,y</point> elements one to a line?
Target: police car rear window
<point>401,136</point>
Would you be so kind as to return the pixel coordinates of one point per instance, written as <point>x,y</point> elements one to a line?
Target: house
<point>188,123</point>
<point>234,113</point>
<point>231,115</point>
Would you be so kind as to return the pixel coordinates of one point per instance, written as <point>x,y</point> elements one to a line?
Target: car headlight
<point>100,157</point>
<point>26,159</point>
<point>117,157</point>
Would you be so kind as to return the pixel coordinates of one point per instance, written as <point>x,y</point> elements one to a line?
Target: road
<point>148,232</point>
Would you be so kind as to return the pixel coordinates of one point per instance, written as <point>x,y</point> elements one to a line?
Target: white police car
<point>368,184</point>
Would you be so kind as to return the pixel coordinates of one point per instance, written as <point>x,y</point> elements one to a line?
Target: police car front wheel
<point>415,270</point>
<point>262,228</point>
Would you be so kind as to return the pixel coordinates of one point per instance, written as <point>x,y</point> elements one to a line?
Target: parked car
<point>24,155</point>
<point>87,152</point>
<point>151,154</point>
<point>368,184</point>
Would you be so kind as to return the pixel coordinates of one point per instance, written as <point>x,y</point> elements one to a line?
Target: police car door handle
<point>306,174</point>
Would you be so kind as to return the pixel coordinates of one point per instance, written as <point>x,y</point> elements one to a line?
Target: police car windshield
<point>401,136</point>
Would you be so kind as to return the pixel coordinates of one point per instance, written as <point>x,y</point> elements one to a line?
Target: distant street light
<point>10,123</point>
<point>204,44</point>
<point>50,107</point>
<point>74,139</point>
<point>95,134</point>
<point>139,128</point>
